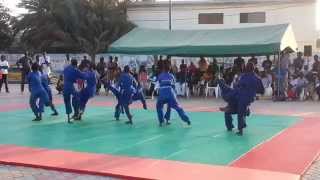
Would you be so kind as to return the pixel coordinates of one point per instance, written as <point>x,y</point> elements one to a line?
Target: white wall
<point>301,16</point>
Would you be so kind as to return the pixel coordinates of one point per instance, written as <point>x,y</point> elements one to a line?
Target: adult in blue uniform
<point>240,98</point>
<point>71,74</point>
<point>126,84</point>
<point>45,83</point>
<point>38,95</point>
<point>168,96</point>
<point>90,88</point>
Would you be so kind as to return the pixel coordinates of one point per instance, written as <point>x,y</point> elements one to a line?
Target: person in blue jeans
<point>38,96</point>
<point>70,96</point>
<point>167,95</point>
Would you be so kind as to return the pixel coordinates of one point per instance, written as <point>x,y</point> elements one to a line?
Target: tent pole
<point>170,15</point>
<point>279,71</point>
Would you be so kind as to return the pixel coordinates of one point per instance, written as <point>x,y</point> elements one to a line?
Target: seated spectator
<point>266,79</point>
<point>59,86</point>
<point>297,85</point>
<point>182,82</point>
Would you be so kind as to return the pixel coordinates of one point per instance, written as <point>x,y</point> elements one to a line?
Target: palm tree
<point>6,34</point>
<point>91,25</point>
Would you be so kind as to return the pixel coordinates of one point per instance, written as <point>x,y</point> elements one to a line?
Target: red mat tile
<point>292,151</point>
<point>128,167</point>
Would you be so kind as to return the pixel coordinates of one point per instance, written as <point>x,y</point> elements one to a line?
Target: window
<point>255,17</point>
<point>211,18</point>
<point>318,43</point>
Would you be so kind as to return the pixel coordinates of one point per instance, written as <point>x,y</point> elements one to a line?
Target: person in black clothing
<point>85,63</point>
<point>239,63</point>
<point>253,60</point>
<point>101,69</point>
<point>298,62</point>
<point>267,64</point>
<point>24,64</point>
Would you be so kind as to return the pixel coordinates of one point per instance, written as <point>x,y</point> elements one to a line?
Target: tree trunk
<point>93,57</point>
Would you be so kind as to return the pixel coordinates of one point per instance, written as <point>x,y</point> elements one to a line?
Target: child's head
<point>35,67</point>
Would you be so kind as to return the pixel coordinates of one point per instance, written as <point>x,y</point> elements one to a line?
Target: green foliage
<point>90,25</point>
<point>6,35</point>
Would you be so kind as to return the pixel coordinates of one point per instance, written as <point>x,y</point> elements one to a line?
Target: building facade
<point>219,14</point>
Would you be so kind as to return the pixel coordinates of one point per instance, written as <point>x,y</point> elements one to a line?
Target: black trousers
<point>23,79</point>
<point>5,81</point>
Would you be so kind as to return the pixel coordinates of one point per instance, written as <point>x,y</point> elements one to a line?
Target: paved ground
<point>262,107</point>
<point>25,173</point>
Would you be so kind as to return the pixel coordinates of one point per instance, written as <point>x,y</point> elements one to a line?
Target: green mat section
<point>206,142</point>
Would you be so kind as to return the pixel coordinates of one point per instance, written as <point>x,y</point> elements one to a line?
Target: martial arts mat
<point>100,141</point>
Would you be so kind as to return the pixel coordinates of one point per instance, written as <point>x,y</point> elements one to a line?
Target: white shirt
<point>44,61</point>
<point>4,63</point>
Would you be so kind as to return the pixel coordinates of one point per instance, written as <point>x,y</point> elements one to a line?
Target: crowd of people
<point>288,80</point>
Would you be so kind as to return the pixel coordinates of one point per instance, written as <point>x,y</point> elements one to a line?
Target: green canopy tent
<point>219,42</point>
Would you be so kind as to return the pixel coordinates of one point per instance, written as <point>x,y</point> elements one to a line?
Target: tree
<point>91,25</point>
<point>6,34</point>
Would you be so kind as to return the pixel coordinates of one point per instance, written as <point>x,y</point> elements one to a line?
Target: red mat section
<point>128,167</point>
<point>292,151</point>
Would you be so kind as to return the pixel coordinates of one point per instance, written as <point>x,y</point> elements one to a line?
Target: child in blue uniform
<point>240,98</point>
<point>90,88</point>
<point>137,96</point>
<point>71,74</point>
<point>167,95</point>
<point>45,83</point>
<point>38,95</point>
<point>126,84</point>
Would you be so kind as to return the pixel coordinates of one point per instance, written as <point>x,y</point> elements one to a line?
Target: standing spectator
<point>239,63</point>
<point>203,65</point>
<point>267,64</point>
<point>45,63</point>
<point>298,62</point>
<point>101,70</point>
<point>4,66</point>
<point>284,67</point>
<point>192,71</point>
<point>85,63</point>
<point>143,78</point>
<point>317,82</point>
<point>253,60</point>
<point>24,64</point>
<point>183,66</point>
<point>316,64</point>
<point>174,69</point>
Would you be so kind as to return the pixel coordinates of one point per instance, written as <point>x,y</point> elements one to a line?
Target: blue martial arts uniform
<point>239,98</point>
<point>45,81</point>
<point>167,95</point>
<point>37,93</point>
<point>126,84</point>
<point>89,90</point>
<point>137,96</point>
<point>71,75</point>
